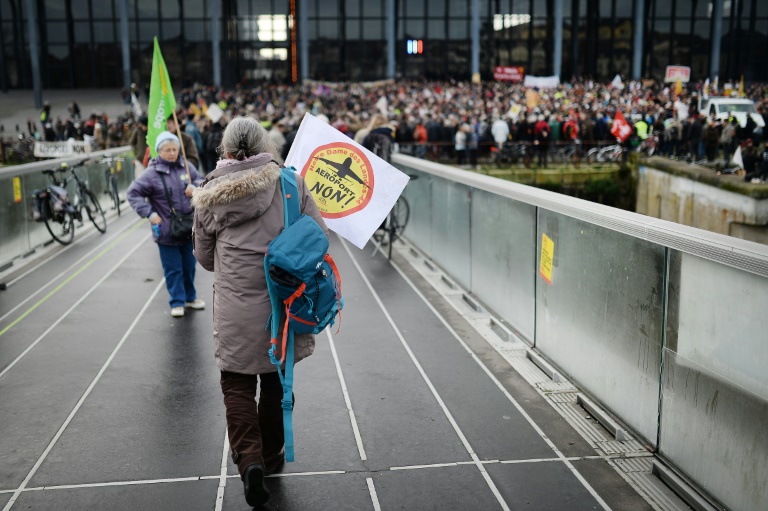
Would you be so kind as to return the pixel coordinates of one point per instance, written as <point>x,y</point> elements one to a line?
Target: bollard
<point>2,150</point>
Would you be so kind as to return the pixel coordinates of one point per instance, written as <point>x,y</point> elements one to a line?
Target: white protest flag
<point>381,104</point>
<point>617,83</point>
<point>135,105</point>
<point>353,188</point>
<point>214,113</point>
<point>737,159</point>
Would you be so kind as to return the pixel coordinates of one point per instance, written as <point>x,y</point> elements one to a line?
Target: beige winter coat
<point>238,212</point>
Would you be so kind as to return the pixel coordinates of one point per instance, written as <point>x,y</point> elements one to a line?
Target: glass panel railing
<point>503,241</point>
<point>715,384</point>
<point>600,318</point>
<point>19,233</point>
<point>622,286</point>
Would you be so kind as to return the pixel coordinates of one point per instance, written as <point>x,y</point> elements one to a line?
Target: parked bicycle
<point>605,154</point>
<point>569,153</point>
<point>650,145</point>
<point>53,207</point>
<point>508,154</point>
<point>114,165</point>
<point>393,226</point>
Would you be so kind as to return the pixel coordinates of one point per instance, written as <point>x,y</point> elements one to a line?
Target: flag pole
<point>181,143</point>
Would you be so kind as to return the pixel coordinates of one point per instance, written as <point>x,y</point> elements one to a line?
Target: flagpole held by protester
<point>161,99</point>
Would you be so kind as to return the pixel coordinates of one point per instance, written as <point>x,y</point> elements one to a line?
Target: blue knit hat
<point>165,136</point>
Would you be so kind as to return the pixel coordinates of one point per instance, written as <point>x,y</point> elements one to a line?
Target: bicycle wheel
<point>62,231</point>
<point>95,213</point>
<point>398,220</point>
<point>115,195</point>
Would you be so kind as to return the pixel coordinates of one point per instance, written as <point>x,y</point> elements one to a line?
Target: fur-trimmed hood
<point>237,193</point>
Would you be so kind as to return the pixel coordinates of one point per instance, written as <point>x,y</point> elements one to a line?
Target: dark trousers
<point>255,430</point>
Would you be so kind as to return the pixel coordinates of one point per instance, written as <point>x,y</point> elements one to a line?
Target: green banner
<point>161,100</point>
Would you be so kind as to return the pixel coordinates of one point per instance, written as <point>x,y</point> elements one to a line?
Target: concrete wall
<point>697,197</point>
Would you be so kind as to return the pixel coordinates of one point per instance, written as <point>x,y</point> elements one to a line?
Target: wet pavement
<point>110,403</point>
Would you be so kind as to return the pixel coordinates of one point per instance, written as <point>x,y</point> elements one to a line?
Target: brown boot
<point>275,464</point>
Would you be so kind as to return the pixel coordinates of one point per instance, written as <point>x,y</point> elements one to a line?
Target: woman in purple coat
<point>166,177</point>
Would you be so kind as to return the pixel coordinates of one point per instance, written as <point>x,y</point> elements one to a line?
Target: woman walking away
<point>161,188</point>
<point>238,212</point>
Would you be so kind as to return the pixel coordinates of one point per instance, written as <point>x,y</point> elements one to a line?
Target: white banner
<point>71,147</point>
<point>542,82</point>
<point>353,188</point>
<point>214,113</point>
<point>135,105</point>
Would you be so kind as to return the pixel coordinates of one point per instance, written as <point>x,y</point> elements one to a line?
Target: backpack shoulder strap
<point>292,211</point>
<point>291,206</point>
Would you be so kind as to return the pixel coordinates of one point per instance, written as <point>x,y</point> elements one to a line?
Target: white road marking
<point>498,384</point>
<point>57,277</point>
<point>372,491</point>
<point>223,475</point>
<point>73,307</point>
<point>352,419</point>
<point>428,382</point>
<point>291,474</point>
<point>82,399</point>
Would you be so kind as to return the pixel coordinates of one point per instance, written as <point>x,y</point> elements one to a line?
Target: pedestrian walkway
<point>110,403</point>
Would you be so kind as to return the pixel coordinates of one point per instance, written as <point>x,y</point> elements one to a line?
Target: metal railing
<point>662,323</point>
<point>21,235</point>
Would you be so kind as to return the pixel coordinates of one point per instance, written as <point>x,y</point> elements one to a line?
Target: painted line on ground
<point>347,400</point>
<point>82,399</point>
<point>291,474</point>
<point>63,250</point>
<point>372,491</point>
<point>93,232</point>
<point>60,275</point>
<point>428,382</point>
<point>223,475</point>
<point>501,387</point>
<point>301,474</point>
<point>66,281</point>
<point>73,307</point>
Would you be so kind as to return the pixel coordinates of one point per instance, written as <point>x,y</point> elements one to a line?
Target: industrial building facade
<point>108,43</point>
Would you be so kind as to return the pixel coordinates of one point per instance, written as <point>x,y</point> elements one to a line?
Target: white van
<point>723,108</point>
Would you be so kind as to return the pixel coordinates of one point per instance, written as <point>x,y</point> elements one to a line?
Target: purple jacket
<point>149,186</point>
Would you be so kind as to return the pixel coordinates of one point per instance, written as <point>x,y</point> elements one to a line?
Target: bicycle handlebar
<point>66,166</point>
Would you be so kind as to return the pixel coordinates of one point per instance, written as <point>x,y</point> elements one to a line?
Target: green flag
<point>161,100</point>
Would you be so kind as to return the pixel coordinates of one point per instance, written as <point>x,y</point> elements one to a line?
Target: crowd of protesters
<point>448,120</point>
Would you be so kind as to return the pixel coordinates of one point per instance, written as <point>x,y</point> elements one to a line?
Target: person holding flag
<point>238,212</point>
<point>622,130</point>
<point>162,194</point>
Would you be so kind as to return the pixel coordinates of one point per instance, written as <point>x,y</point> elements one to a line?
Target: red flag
<point>621,128</point>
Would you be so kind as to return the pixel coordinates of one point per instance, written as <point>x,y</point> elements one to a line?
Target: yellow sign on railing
<point>16,190</point>
<point>547,256</point>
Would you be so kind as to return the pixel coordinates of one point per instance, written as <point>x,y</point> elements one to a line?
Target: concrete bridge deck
<point>107,402</point>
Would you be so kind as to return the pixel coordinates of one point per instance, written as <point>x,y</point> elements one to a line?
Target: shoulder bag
<point>181,225</point>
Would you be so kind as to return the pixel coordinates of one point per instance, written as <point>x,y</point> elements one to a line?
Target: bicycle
<point>605,154</point>
<point>394,225</point>
<point>508,154</point>
<point>649,145</point>
<point>114,165</point>
<point>53,207</point>
<point>569,153</point>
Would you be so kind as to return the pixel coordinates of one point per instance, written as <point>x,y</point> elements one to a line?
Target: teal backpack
<point>304,285</point>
